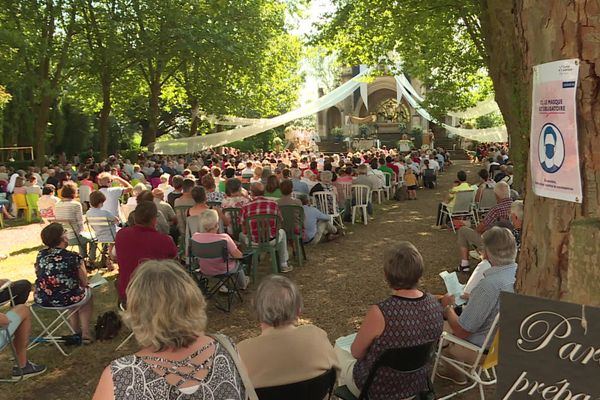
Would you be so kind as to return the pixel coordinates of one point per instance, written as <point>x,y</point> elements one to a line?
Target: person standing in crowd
<point>112,194</point>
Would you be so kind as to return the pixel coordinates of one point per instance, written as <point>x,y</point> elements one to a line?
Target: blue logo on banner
<point>569,84</point>
<point>551,149</point>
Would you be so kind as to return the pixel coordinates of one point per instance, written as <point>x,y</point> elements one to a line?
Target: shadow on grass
<point>27,250</point>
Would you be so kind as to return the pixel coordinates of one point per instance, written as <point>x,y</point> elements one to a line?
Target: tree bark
<point>149,134</point>
<point>41,124</point>
<point>195,117</point>
<point>104,118</point>
<point>518,35</point>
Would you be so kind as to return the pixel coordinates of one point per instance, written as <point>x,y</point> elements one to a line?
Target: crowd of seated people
<point>160,215</point>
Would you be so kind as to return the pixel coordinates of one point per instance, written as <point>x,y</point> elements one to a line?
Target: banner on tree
<point>549,350</point>
<point>554,148</point>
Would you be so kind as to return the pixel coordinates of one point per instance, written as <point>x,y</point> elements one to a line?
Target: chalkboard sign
<point>549,350</point>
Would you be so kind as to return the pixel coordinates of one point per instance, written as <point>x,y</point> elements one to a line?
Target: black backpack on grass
<point>107,326</point>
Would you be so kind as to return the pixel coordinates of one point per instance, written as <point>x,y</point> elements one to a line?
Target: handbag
<point>248,386</point>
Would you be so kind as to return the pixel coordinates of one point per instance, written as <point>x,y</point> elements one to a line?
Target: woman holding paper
<point>409,317</point>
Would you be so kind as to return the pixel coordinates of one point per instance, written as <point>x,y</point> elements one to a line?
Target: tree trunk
<point>195,117</point>
<point>520,34</point>
<point>104,118</point>
<point>41,124</point>
<point>149,134</point>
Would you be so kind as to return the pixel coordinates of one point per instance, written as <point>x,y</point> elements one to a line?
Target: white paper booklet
<point>453,286</point>
<point>97,280</point>
<point>345,342</point>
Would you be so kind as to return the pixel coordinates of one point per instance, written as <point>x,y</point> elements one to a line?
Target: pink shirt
<point>215,266</point>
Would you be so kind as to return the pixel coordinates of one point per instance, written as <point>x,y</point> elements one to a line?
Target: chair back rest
<point>388,179</point>
<point>361,194</point>
<point>20,200</point>
<point>491,359</point>
<point>463,201</point>
<point>326,202</point>
<point>32,199</point>
<point>234,216</point>
<point>488,342</point>
<point>214,250</point>
<point>134,182</point>
<point>292,220</point>
<point>297,195</point>
<point>347,189</point>
<point>405,359</point>
<point>84,193</point>
<point>97,223</point>
<point>488,199</point>
<point>181,212</point>
<point>315,388</point>
<point>68,226</point>
<point>260,227</point>
<point>213,204</point>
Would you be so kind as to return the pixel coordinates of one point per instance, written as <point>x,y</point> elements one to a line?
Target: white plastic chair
<point>361,196</point>
<point>327,203</point>
<point>48,330</point>
<point>481,371</point>
<point>84,194</point>
<point>462,207</point>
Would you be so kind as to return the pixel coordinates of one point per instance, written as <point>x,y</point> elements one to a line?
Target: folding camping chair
<point>48,330</point>
<point>486,203</point>
<point>99,226</point>
<point>215,251</point>
<point>463,207</point>
<point>482,371</point>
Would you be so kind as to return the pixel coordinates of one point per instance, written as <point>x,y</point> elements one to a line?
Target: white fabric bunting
<point>199,143</point>
<point>364,87</point>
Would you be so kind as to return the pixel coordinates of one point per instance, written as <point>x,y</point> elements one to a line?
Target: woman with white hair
<point>208,222</point>
<point>167,314</point>
<point>284,353</point>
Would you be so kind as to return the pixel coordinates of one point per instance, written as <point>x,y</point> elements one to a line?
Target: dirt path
<point>339,282</point>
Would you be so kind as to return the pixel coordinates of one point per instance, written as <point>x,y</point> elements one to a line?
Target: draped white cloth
<point>199,143</point>
<point>485,107</point>
<point>496,134</point>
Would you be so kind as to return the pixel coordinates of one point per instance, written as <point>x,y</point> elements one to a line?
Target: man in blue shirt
<point>299,186</point>
<point>476,319</point>
<point>316,224</point>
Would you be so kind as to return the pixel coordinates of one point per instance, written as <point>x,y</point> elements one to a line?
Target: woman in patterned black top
<point>407,318</point>
<point>167,314</point>
<point>61,279</point>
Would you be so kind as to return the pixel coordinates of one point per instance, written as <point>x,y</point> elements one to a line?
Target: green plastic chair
<point>293,225</point>
<point>264,242</point>
<point>234,215</point>
<point>32,200</point>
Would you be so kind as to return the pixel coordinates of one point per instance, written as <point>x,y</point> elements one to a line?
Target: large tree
<point>102,22</point>
<point>37,37</point>
<point>507,37</point>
